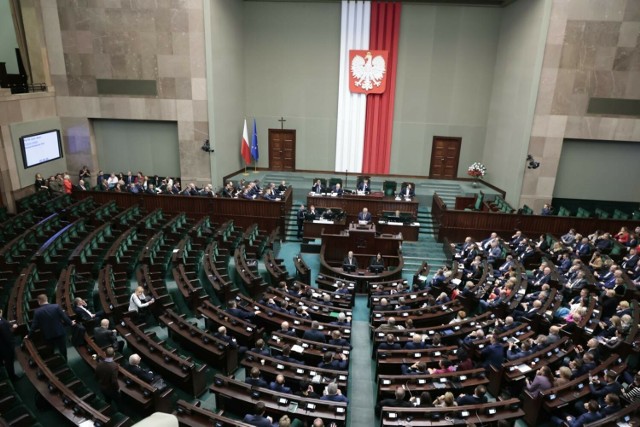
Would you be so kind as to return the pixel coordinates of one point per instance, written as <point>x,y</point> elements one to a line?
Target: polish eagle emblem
<point>368,71</point>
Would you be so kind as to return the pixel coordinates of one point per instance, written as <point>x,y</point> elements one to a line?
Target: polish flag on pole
<point>245,150</point>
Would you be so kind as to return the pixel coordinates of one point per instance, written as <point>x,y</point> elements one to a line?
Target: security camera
<point>532,162</point>
<point>206,147</point>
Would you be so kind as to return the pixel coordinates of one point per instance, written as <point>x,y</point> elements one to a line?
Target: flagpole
<point>245,170</point>
<point>255,166</point>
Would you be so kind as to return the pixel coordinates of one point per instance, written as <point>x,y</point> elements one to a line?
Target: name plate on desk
<point>395,223</point>
<point>322,221</point>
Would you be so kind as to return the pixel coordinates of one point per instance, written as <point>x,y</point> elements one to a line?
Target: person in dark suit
<point>547,210</point>
<point>282,187</point>
<point>397,402</point>
<point>407,191</point>
<point>51,319</point>
<point>261,348</point>
<point>286,356</point>
<point>377,261</point>
<point>7,346</point>
<point>314,334</point>
<point>317,187</point>
<point>284,329</point>
<point>336,339</point>
<point>416,343</point>
<point>591,415</point>
<point>80,308</point>
<point>583,248</point>
<point>255,379</point>
<point>364,186</point>
<point>337,189</point>
<point>257,418</point>
<point>233,310</point>
<point>478,396</point>
<point>335,361</point>
<point>135,368</point>
<point>493,354</point>
<point>279,386</point>
<point>365,215</point>
<point>107,377</point>
<point>350,260</point>
<point>105,337</point>
<point>300,215</point>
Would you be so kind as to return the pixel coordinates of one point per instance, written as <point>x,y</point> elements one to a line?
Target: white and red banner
<point>245,150</point>
<point>368,71</point>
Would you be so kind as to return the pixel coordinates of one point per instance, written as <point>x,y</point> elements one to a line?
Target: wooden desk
<point>268,214</point>
<point>313,229</point>
<point>409,230</point>
<point>353,204</point>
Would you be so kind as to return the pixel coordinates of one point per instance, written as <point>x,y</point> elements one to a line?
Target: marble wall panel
<point>592,50</point>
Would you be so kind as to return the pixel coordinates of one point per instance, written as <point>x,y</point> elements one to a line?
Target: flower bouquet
<point>477,170</point>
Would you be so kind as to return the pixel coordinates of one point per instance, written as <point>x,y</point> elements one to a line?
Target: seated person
<point>261,348</point>
<point>377,262</point>
<point>336,339</point>
<point>314,334</point>
<point>233,310</point>
<point>134,367</point>
<point>258,418</point>
<point>337,189</point>
<point>104,337</point>
<point>333,394</point>
<point>80,308</point>
<point>398,401</point>
<point>311,214</point>
<point>365,215</point>
<point>478,397</point>
<point>350,260</point>
<point>407,192</point>
<point>329,215</point>
<point>255,379</point>
<point>279,386</point>
<point>317,187</point>
<point>285,356</point>
<point>364,186</point>
<point>335,361</point>
<point>283,186</point>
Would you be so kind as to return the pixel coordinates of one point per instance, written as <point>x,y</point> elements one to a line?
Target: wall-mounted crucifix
<point>282,120</point>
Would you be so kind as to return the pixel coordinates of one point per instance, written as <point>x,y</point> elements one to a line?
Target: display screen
<point>40,148</point>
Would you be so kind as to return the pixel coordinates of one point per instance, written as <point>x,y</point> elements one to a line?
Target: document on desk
<point>297,348</point>
<point>524,368</point>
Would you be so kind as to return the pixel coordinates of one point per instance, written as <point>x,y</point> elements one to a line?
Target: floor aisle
<point>361,380</point>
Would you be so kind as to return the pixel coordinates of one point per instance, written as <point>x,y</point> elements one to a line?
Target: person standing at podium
<point>350,260</point>
<point>365,215</point>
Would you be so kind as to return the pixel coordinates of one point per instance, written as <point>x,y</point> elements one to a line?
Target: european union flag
<point>254,142</point>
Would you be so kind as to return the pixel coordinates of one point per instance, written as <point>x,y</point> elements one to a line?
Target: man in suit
<point>300,219</point>
<point>416,343</point>
<point>7,346</point>
<point>364,215</point>
<point>255,379</point>
<point>135,368</point>
<point>51,319</point>
<point>233,310</point>
<point>337,189</point>
<point>364,186</point>
<point>284,329</point>
<point>279,386</point>
<point>407,192</point>
<point>314,334</point>
<point>312,214</point>
<point>630,261</point>
<point>574,285</point>
<point>544,279</point>
<point>317,187</point>
<point>478,397</point>
<point>104,337</point>
<point>397,402</point>
<point>80,308</point>
<point>569,238</point>
<point>286,356</point>
<point>506,266</point>
<point>334,394</point>
<point>350,260</point>
<point>583,248</point>
<point>492,354</point>
<point>336,339</point>
<point>335,361</point>
<point>257,418</point>
<point>107,377</point>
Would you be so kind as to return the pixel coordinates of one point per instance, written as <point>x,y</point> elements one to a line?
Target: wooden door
<point>282,149</point>
<point>445,155</point>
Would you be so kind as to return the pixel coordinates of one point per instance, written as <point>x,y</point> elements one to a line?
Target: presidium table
<point>365,244</point>
<point>379,206</point>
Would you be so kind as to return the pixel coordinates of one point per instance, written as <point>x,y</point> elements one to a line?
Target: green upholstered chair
<point>389,188</point>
